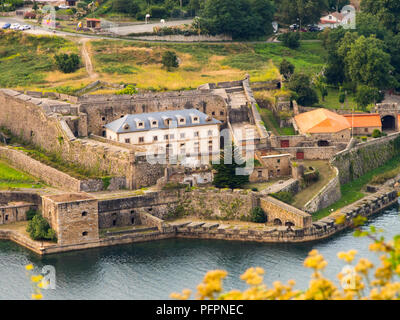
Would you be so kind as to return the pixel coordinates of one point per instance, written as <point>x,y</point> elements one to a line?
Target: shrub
<point>376,133</point>
<point>291,40</point>
<point>258,215</point>
<point>30,214</point>
<point>67,63</point>
<point>128,90</point>
<point>364,138</point>
<point>158,12</point>
<point>39,229</point>
<point>170,60</point>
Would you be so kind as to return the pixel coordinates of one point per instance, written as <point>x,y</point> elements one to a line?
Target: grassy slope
<point>27,61</point>
<point>271,123</point>
<point>352,191</point>
<point>12,178</point>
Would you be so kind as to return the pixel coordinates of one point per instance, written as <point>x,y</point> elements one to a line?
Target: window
<point>210,133</point>
<point>166,137</point>
<point>155,138</point>
<point>103,133</point>
<point>154,123</point>
<point>84,214</point>
<point>140,124</point>
<point>196,134</point>
<point>141,139</point>
<point>182,120</point>
<point>6,217</point>
<point>114,223</point>
<point>259,174</point>
<point>133,220</point>
<point>127,140</point>
<point>210,148</point>
<point>132,211</point>
<point>221,113</point>
<point>182,136</point>
<point>84,233</point>
<point>103,118</point>
<point>278,161</point>
<point>172,136</point>
<point>366,130</point>
<point>213,113</point>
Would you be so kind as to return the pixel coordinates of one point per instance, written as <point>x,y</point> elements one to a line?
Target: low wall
<point>311,153</point>
<point>328,195</point>
<point>355,162</point>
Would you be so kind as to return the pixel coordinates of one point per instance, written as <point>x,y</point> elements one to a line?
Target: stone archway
<point>277,222</point>
<point>289,224</point>
<point>388,123</point>
<point>323,143</point>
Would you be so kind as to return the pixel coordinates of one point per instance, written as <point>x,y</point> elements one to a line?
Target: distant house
<point>345,18</point>
<point>93,23</point>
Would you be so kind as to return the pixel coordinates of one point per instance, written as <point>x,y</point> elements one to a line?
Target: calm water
<point>154,270</point>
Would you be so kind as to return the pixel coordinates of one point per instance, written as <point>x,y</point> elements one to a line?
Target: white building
<point>187,134</point>
<point>346,18</point>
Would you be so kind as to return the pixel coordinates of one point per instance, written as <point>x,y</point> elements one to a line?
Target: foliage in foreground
<point>355,279</point>
<point>39,229</point>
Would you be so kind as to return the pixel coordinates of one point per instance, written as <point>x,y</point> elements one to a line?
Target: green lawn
<point>326,174</point>
<point>12,178</point>
<point>271,124</point>
<point>332,100</point>
<point>352,191</point>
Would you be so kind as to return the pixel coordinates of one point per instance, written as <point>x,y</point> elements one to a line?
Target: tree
<point>291,40</point>
<point>226,175</point>
<point>126,6</point>
<point>369,24</point>
<point>170,60</point>
<point>67,63</point>
<point>242,19</point>
<point>300,83</point>
<point>258,215</point>
<point>301,11</point>
<point>366,95</point>
<point>368,64</point>
<point>387,11</point>
<point>286,69</point>
<point>337,4</point>
<point>39,229</point>
<point>320,84</point>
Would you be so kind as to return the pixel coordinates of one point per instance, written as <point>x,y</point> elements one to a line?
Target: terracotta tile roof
<point>364,120</point>
<point>321,121</point>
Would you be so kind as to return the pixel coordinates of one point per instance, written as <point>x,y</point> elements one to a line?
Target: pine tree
<point>226,176</point>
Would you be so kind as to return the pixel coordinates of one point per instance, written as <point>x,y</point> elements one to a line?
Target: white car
<point>15,26</point>
<point>63,6</point>
<point>24,27</point>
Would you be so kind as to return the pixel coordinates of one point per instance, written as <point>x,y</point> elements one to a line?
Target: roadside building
<point>93,23</point>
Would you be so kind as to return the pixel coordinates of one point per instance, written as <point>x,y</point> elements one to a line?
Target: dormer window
<point>140,125</point>
<point>195,118</point>
<point>181,120</point>
<point>153,122</point>
<point>126,126</point>
<point>167,121</point>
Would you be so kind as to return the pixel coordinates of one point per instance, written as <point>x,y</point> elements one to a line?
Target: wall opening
<point>289,224</point>
<point>388,123</point>
<point>323,143</point>
<point>277,222</point>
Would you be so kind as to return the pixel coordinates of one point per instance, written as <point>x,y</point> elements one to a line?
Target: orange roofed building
<point>321,123</point>
<point>364,124</point>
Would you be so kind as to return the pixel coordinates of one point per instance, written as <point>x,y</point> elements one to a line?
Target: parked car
<point>63,6</point>
<point>6,26</point>
<point>15,26</point>
<point>314,29</point>
<point>294,27</point>
<point>24,27</point>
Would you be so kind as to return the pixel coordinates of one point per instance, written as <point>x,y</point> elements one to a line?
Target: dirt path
<point>87,60</point>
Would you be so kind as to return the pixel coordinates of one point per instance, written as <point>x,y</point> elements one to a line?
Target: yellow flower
<point>29,267</point>
<point>347,256</point>
<point>37,296</point>
<point>36,278</point>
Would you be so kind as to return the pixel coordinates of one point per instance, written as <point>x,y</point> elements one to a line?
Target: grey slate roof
<point>118,125</point>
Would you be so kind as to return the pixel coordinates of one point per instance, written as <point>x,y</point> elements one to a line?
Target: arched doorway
<point>277,222</point>
<point>388,123</point>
